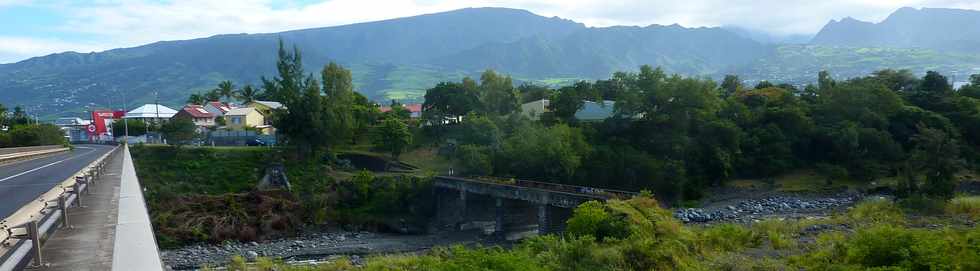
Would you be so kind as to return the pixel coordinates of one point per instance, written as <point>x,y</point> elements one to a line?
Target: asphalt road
<point>22,182</point>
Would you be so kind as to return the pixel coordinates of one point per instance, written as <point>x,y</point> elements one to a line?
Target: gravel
<point>312,246</point>
<point>752,209</point>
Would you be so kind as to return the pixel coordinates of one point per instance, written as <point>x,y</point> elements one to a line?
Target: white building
<point>151,113</point>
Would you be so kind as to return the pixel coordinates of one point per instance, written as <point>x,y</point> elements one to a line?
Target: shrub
<point>889,247</point>
<point>964,205</point>
<point>875,211</point>
<point>592,219</point>
<point>474,160</point>
<point>729,237</point>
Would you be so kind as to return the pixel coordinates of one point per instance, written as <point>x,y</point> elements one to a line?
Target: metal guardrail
<point>22,233</point>
<point>585,191</point>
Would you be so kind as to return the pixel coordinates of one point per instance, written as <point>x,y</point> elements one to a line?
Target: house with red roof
<point>196,113</point>
<point>217,108</point>
<point>415,109</point>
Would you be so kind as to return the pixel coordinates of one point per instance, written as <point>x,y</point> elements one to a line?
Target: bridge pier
<point>543,219</point>
<point>516,207</point>
<point>499,212</point>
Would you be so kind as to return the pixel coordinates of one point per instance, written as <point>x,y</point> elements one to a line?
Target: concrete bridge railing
<point>514,204</point>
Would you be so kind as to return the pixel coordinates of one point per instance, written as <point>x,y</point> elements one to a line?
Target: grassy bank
<point>638,235</point>
<point>209,195</point>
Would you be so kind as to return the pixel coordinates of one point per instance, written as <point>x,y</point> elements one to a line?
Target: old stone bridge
<point>509,208</point>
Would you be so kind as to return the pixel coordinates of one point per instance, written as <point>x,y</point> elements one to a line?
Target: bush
<point>592,219</point>
<point>729,237</point>
<point>32,135</point>
<point>889,247</point>
<point>474,160</point>
<point>875,211</point>
<point>968,206</point>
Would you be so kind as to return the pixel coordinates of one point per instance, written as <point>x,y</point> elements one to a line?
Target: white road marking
<point>44,166</point>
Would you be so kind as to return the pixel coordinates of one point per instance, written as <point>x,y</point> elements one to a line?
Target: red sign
<point>91,128</point>
<point>99,118</point>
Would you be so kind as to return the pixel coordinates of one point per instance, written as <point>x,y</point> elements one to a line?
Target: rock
<point>251,255</point>
<point>253,243</point>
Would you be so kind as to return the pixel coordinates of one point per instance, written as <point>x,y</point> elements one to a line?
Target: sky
<point>37,28</point>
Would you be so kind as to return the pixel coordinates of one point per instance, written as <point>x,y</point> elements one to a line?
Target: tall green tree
<point>248,94</point>
<point>449,101</point>
<point>179,131</point>
<point>19,116</point>
<point>498,94</point>
<point>393,136</point>
<point>569,100</point>
<point>936,157</point>
<point>365,114</point>
<point>302,120</point>
<point>338,102</point>
<point>225,89</point>
<point>3,116</point>
<point>137,127</point>
<point>197,99</point>
<point>213,95</point>
<point>730,85</point>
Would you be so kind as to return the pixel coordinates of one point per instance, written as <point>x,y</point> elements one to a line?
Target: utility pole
<point>156,104</point>
<point>125,119</point>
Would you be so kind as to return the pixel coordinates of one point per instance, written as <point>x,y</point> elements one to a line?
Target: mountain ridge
<point>400,58</point>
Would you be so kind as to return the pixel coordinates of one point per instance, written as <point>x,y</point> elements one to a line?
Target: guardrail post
<point>63,205</point>
<point>77,189</point>
<point>35,235</point>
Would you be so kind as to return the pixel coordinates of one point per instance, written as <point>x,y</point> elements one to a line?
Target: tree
<point>933,93</point>
<point>449,101</point>
<point>225,89</point>
<point>364,114</point>
<point>936,156</point>
<point>197,99</point>
<point>824,81</point>
<point>393,136</point>
<point>137,127</point>
<point>3,116</point>
<point>896,80</point>
<point>764,84</point>
<point>338,102</point>
<point>398,111</point>
<point>248,94</point>
<point>545,153</point>
<point>212,96</point>
<point>498,94</point>
<point>569,100</point>
<point>19,117</point>
<point>179,131</point>
<point>35,135</point>
<point>532,92</point>
<point>302,121</point>
<point>474,159</point>
<point>730,85</point>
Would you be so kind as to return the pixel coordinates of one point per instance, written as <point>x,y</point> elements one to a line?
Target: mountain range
<point>400,58</point>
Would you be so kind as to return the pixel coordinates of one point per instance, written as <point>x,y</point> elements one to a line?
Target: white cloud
<point>125,23</point>
<point>19,48</point>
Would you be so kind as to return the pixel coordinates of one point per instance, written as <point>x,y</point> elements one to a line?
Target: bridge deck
<point>559,195</point>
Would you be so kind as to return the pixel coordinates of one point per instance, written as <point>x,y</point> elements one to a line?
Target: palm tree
<point>248,94</point>
<point>212,96</point>
<point>197,99</point>
<point>225,89</point>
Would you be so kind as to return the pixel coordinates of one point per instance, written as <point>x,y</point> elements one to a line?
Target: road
<point>23,181</point>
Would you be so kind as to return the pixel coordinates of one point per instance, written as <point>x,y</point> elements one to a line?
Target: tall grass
<point>965,206</point>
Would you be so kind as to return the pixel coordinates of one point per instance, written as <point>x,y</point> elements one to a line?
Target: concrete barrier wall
<point>28,149</point>
<point>135,245</point>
